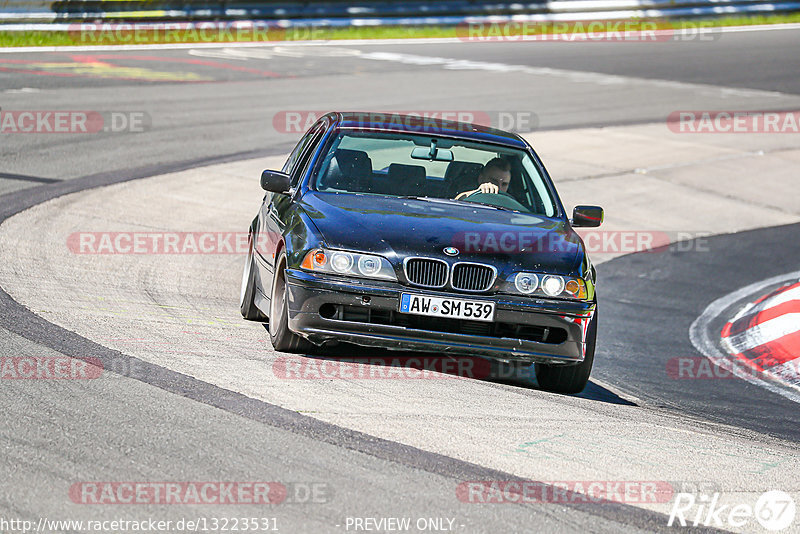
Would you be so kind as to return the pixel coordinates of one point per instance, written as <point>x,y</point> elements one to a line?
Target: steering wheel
<point>501,199</point>
<point>505,193</point>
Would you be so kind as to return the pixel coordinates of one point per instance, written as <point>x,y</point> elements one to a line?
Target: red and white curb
<point>761,343</point>
<point>765,335</point>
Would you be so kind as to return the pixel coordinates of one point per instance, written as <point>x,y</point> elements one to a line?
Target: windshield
<point>411,165</point>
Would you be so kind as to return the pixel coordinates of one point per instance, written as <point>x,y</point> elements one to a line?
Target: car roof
<point>426,125</point>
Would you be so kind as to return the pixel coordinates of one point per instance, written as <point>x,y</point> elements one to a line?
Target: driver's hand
<point>488,187</point>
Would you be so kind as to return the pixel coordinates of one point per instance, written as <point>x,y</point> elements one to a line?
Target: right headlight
<point>348,263</point>
<point>549,285</point>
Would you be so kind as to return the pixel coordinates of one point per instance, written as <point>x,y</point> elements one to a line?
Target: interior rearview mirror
<point>275,181</point>
<point>432,154</point>
<point>587,216</point>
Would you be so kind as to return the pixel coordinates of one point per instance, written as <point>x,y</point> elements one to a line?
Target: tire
<point>283,339</point>
<point>569,379</point>
<point>247,295</point>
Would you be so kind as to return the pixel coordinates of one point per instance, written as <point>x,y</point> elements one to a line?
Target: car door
<point>272,218</point>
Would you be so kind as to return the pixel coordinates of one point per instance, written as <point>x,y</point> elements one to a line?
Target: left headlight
<point>348,263</point>
<point>548,285</point>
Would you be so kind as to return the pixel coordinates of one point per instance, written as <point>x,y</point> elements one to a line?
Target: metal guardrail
<point>405,12</point>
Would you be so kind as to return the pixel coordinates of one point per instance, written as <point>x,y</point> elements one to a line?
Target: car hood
<point>398,227</point>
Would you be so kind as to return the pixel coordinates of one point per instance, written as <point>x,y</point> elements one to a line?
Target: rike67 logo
<point>774,511</point>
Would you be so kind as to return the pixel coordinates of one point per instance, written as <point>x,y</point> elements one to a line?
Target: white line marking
<point>760,27</point>
<point>244,51</point>
<point>269,53</point>
<point>22,90</point>
<point>225,53</point>
<point>571,75</point>
<point>699,335</point>
<point>465,64</point>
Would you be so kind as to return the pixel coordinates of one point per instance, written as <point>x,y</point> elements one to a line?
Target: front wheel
<point>569,378</point>
<point>247,305</point>
<point>283,339</point>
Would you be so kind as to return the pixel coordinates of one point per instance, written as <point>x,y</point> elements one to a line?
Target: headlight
<point>342,262</point>
<point>549,285</point>
<point>369,265</point>
<point>553,285</point>
<point>526,282</point>
<point>348,263</point>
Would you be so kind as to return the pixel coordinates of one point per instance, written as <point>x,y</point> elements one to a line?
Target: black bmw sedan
<point>410,233</point>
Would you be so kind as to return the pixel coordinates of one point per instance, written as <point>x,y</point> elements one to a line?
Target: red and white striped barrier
<point>765,336</point>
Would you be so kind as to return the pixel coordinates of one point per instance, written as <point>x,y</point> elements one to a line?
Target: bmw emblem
<point>451,251</point>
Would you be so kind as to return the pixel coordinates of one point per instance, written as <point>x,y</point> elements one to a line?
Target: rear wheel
<point>283,339</point>
<point>247,296</point>
<point>569,378</point>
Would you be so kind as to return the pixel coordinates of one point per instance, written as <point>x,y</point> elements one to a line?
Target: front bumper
<point>326,308</point>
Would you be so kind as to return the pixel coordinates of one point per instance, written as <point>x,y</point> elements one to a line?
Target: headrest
<point>462,176</point>
<point>349,170</point>
<point>407,179</point>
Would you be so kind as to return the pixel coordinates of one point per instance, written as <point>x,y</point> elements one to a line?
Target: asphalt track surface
<point>635,347</point>
<point>228,110</point>
<point>56,433</point>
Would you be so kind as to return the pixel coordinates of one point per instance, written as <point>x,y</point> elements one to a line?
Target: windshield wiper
<point>439,200</point>
<point>501,208</point>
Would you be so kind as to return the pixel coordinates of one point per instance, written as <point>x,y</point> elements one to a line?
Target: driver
<point>494,178</point>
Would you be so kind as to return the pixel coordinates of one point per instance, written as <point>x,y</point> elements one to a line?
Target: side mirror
<point>587,216</point>
<point>275,181</point>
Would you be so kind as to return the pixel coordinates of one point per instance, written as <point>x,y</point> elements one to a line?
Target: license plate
<point>475,310</point>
